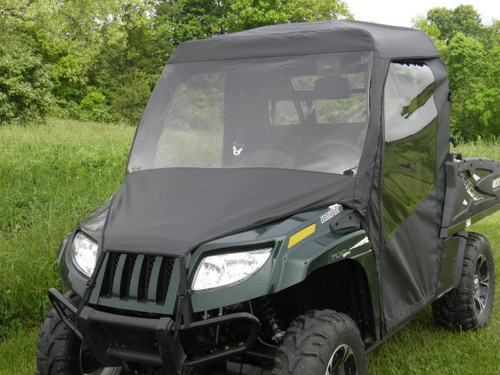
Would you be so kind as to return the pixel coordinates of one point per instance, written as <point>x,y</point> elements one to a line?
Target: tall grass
<point>53,174</point>
<point>50,176</point>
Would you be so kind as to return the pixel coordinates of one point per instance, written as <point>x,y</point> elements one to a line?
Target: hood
<point>173,211</point>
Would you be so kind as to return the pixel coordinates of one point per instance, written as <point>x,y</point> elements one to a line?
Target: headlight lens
<point>221,270</point>
<point>84,253</point>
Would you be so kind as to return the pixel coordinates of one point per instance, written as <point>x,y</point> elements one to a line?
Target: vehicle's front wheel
<point>321,342</point>
<point>468,307</point>
<point>58,350</point>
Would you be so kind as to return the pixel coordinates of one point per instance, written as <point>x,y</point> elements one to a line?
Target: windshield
<point>300,112</point>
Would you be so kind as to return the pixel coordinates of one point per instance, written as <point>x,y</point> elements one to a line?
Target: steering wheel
<point>326,148</point>
<point>270,158</point>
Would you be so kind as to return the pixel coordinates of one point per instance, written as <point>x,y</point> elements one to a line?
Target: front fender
<point>290,267</point>
<point>323,251</point>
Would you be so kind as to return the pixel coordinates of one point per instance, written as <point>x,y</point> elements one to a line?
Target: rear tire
<point>321,342</point>
<point>468,307</point>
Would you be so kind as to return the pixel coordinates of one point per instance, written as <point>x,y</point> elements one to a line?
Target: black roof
<point>309,38</point>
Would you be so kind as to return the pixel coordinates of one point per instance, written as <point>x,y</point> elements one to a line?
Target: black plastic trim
<point>171,355</point>
<point>60,303</point>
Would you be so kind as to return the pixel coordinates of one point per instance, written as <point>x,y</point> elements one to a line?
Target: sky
<point>401,12</point>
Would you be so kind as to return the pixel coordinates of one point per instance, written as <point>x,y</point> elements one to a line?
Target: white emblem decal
<point>343,254</point>
<point>496,183</point>
<point>361,243</point>
<point>237,148</point>
<point>334,210</point>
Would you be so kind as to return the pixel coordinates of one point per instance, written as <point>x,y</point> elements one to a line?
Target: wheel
<point>321,342</point>
<point>468,307</point>
<point>58,349</point>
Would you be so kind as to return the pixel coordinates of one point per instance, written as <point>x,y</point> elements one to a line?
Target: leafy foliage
<point>99,60</point>
<point>25,85</point>
<point>464,19</point>
<point>471,52</point>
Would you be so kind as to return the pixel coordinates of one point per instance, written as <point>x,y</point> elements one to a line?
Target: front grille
<point>131,339</point>
<point>139,278</point>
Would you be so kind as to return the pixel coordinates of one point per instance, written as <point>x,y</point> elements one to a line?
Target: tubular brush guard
<point>114,339</point>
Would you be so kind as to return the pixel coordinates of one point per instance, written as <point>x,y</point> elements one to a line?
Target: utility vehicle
<point>290,201</point>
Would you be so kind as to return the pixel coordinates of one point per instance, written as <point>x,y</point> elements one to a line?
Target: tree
<point>102,58</point>
<point>25,85</point>
<point>197,19</point>
<point>471,52</point>
<point>464,19</point>
<point>247,14</point>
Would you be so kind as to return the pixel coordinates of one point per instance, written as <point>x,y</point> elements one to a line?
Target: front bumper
<point>116,339</point>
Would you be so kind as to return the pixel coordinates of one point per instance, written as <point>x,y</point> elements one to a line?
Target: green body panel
<point>287,266</point>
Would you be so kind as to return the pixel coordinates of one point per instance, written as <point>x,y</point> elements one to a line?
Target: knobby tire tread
<point>456,309</point>
<point>303,349</point>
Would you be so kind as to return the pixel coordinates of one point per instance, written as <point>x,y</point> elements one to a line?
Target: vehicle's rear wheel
<point>468,307</point>
<point>321,342</point>
<point>58,350</point>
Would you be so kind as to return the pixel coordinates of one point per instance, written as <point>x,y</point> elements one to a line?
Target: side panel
<point>410,264</point>
<point>416,119</point>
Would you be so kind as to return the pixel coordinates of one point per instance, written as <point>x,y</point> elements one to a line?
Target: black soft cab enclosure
<point>290,190</point>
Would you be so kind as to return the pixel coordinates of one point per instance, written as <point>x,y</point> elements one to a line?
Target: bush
<point>25,85</point>
<point>129,101</point>
<point>93,107</point>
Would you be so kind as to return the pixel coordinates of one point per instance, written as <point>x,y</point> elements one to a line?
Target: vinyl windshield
<point>300,112</point>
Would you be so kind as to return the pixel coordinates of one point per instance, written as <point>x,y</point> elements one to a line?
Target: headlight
<point>225,269</point>
<point>84,253</point>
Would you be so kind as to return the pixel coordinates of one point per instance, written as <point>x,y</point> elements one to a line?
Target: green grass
<point>50,176</point>
<point>484,149</point>
<point>17,353</point>
<point>53,174</point>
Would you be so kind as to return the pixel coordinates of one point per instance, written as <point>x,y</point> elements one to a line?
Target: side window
<point>410,142</point>
<point>408,100</point>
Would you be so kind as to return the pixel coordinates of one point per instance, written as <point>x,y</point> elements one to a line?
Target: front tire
<point>468,307</point>
<point>58,349</point>
<point>321,342</point>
